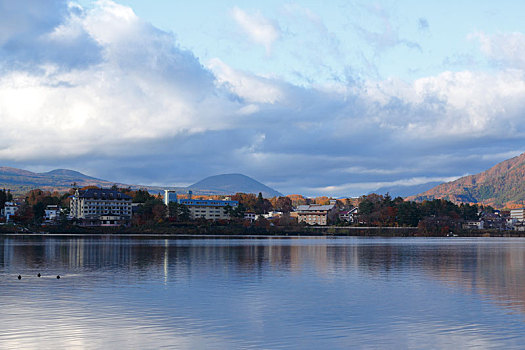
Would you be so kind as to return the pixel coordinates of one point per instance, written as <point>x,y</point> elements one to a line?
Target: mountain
<point>405,191</point>
<point>20,181</point>
<point>233,183</point>
<point>502,186</point>
<point>66,173</point>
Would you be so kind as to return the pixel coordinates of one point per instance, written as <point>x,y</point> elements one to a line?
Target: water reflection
<point>272,293</point>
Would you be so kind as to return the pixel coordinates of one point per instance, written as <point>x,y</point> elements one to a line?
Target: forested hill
<point>502,186</point>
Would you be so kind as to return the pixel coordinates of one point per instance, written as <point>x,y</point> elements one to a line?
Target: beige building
<point>97,207</point>
<point>208,209</point>
<point>316,214</point>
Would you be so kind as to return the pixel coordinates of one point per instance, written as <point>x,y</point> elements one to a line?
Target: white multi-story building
<point>169,196</point>
<point>52,212</point>
<point>518,214</point>
<point>10,210</point>
<point>95,207</point>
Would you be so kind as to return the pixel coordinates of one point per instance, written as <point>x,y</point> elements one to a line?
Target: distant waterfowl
<point>19,277</point>
<point>58,277</point>
<point>39,274</point>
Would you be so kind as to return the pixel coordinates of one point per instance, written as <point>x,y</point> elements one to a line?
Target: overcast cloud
<point>101,91</point>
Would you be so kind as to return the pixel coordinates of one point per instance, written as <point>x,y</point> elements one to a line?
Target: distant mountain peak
<point>67,172</point>
<point>233,183</point>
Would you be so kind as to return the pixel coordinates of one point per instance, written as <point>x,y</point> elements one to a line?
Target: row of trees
<point>249,202</point>
<point>154,211</point>
<point>378,210</point>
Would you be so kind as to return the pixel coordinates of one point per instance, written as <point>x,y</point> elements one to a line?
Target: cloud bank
<point>101,91</point>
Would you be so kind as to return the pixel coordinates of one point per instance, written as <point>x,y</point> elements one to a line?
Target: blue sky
<point>319,42</point>
<point>308,97</point>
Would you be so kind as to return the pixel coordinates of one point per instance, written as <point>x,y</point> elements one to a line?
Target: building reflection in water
<point>488,267</point>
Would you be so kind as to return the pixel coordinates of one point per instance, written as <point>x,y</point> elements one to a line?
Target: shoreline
<point>274,232</point>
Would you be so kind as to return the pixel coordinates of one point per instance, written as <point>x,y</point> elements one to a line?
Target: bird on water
<point>19,277</point>
<point>58,277</point>
<point>39,274</point>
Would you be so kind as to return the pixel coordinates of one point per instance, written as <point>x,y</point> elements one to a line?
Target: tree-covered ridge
<point>378,210</point>
<point>502,186</point>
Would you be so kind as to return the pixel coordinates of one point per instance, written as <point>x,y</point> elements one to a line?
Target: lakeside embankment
<point>237,230</point>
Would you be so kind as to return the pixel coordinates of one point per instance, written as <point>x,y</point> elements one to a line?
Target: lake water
<point>278,293</point>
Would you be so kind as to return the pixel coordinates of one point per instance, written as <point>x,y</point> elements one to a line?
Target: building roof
<point>104,194</point>
<point>208,202</point>
<point>315,207</point>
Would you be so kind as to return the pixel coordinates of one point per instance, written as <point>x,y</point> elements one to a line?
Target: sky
<point>339,98</point>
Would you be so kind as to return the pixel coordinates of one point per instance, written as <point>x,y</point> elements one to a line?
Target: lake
<point>269,293</point>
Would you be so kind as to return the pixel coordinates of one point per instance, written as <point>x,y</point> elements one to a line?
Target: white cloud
<point>250,87</point>
<point>507,49</point>
<point>144,88</point>
<point>260,29</point>
<point>461,104</point>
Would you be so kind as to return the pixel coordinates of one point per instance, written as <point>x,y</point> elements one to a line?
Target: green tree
<point>153,210</point>
<point>237,212</point>
<point>39,212</point>
<point>259,204</point>
<point>141,196</point>
<point>408,214</point>
<point>183,213</point>
<point>3,198</point>
<point>262,205</point>
<point>366,207</point>
<point>178,212</point>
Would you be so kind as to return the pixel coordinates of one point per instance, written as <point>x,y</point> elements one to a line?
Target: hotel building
<point>101,207</point>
